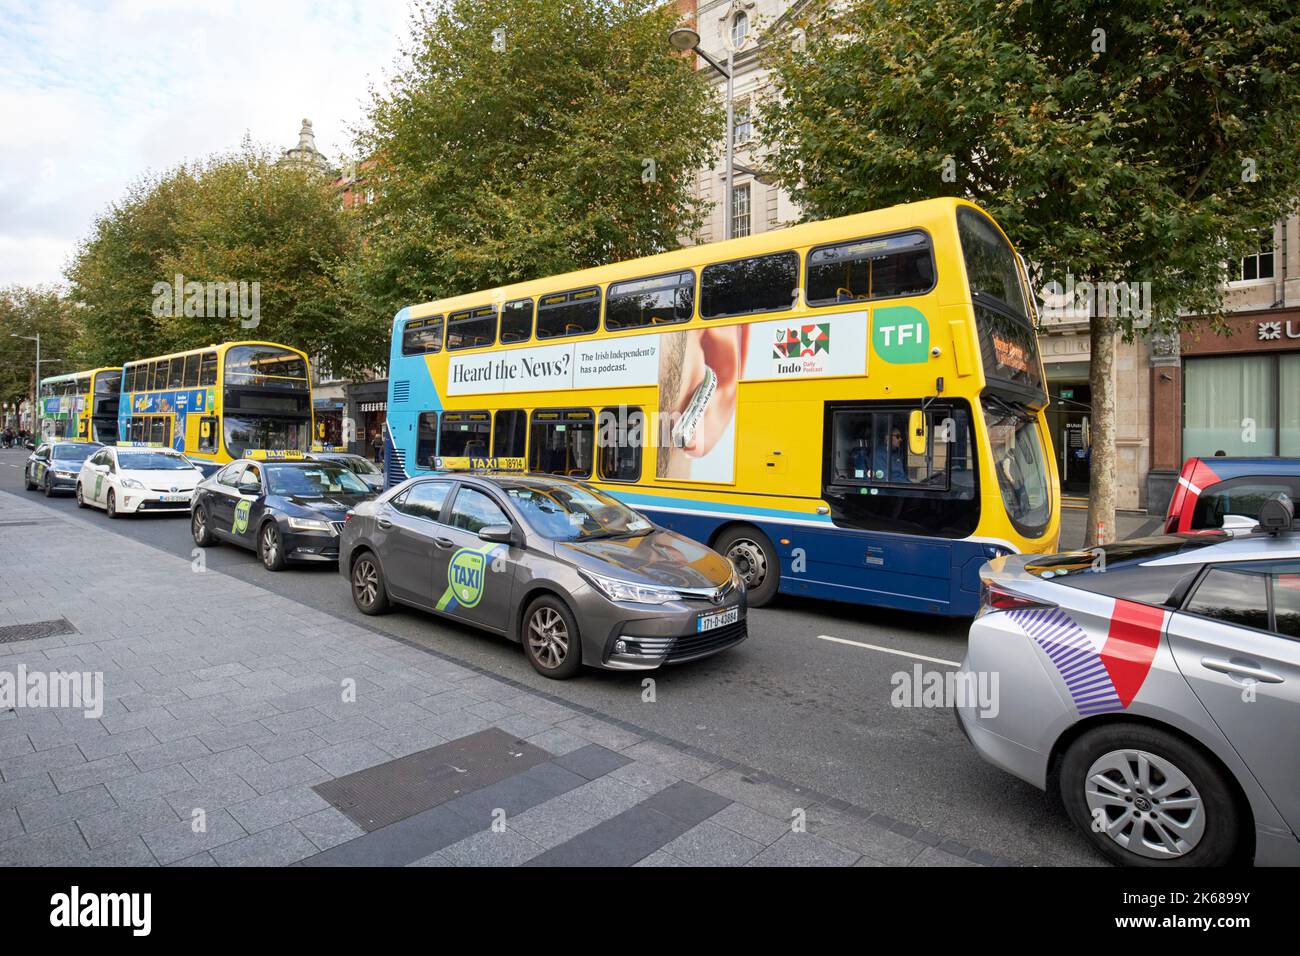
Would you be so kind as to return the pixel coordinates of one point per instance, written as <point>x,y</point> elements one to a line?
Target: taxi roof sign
<point>273,454</point>
<point>140,444</point>
<point>479,464</point>
<point>327,448</point>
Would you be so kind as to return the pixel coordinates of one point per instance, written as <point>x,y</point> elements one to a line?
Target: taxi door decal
<point>1130,646</point>
<point>240,524</point>
<point>467,577</point>
<point>99,485</point>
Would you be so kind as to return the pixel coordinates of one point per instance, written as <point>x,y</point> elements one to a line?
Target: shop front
<point>1235,394</point>
<point>367,410</point>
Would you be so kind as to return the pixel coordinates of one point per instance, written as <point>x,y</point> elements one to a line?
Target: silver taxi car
<point>570,572</point>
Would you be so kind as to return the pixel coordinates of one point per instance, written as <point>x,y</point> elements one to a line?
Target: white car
<point>126,479</point>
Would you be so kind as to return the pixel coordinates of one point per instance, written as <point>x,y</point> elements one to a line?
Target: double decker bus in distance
<point>81,406</point>
<point>212,404</point>
<point>849,409</point>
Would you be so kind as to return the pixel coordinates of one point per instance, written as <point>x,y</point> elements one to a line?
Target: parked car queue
<point>1153,684</point>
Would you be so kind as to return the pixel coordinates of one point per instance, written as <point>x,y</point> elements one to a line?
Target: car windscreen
<point>361,465</point>
<point>314,481</point>
<point>1124,569</point>
<point>564,512</point>
<point>75,452</point>
<point>152,462</point>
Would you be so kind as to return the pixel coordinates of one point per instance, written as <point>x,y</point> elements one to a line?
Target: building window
<point>739,29</point>
<point>1234,404</point>
<point>1258,265</point>
<point>740,211</point>
<point>743,125</point>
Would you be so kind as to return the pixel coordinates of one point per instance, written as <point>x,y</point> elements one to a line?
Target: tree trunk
<point>1101,482</point>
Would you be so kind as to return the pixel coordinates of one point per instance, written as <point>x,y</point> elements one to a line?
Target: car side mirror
<point>500,533</point>
<point>250,487</point>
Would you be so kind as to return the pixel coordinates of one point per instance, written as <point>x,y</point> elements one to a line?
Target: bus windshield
<point>282,434</point>
<point>1020,465</point>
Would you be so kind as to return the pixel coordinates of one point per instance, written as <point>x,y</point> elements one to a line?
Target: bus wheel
<point>199,528</point>
<point>270,548</point>
<point>112,504</point>
<point>756,561</point>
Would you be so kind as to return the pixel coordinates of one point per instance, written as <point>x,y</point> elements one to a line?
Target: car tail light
<point>994,597</point>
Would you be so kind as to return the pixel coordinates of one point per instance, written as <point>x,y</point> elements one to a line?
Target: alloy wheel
<point>365,582</point>
<point>548,637</point>
<point>270,545</point>
<point>1145,804</point>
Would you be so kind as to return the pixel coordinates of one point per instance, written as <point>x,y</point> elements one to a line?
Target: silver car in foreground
<point>1155,685</point>
<point>570,572</point>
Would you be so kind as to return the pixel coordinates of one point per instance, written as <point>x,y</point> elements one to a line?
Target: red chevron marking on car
<point>1130,646</point>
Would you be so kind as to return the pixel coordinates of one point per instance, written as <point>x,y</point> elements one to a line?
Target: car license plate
<point>173,497</point>
<point>715,619</point>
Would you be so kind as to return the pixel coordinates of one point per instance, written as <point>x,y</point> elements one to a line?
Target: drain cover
<point>377,796</point>
<point>36,630</point>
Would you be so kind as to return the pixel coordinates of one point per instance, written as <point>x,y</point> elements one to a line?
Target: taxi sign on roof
<point>140,444</point>
<point>326,448</point>
<point>273,454</point>
<point>479,464</point>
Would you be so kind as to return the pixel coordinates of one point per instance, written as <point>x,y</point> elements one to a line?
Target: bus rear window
<point>746,286</point>
<point>568,313</point>
<point>663,300</point>
<point>870,269</point>
<point>421,336</point>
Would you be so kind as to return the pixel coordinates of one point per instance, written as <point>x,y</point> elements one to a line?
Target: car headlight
<point>309,524</point>
<point>132,483</point>
<point>64,474</point>
<point>617,590</point>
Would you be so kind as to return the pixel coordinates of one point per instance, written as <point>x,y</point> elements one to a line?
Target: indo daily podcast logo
<point>900,335</point>
<point>465,576</point>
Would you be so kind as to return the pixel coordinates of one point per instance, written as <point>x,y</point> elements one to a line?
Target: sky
<point>95,95</point>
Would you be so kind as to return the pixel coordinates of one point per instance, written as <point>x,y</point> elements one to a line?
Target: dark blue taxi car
<point>284,509</point>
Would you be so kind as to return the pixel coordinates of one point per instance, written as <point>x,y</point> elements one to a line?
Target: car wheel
<point>369,590</point>
<point>551,640</point>
<point>28,484</point>
<point>1145,797</point>
<point>270,547</point>
<point>81,501</point>
<point>199,529</point>
<point>756,561</point>
<point>111,504</point>
<point>49,485</point>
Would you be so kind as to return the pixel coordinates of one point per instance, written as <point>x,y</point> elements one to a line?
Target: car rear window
<point>1123,570</point>
<point>1242,496</point>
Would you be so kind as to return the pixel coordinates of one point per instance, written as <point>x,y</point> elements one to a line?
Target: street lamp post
<point>36,388</point>
<point>686,40</point>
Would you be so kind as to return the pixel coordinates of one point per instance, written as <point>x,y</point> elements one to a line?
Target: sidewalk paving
<point>229,737</point>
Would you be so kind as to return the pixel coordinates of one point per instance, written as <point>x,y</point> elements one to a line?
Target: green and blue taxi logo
<point>900,335</point>
<point>465,576</point>
<point>241,517</point>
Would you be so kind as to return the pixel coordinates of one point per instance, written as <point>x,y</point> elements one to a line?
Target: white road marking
<point>888,650</point>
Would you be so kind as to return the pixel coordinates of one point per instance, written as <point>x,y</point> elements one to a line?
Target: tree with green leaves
<point>1149,141</point>
<point>28,311</point>
<point>235,218</point>
<point>522,138</point>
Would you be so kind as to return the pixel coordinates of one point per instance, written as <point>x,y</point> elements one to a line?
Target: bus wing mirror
<point>918,434</point>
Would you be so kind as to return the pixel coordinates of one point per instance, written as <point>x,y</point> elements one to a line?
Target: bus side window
<point>191,371</point>
<point>208,370</point>
<point>510,433</point>
<point>568,313</point>
<point>562,442</point>
<point>621,437</point>
<point>176,377</point>
<point>208,434</point>
<point>426,442</point>
<point>517,322</point>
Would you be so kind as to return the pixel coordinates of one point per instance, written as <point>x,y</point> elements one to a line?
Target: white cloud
<point>92,96</point>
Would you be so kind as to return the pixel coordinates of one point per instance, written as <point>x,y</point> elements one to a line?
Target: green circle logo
<point>465,576</point>
<point>900,335</point>
<point>241,517</point>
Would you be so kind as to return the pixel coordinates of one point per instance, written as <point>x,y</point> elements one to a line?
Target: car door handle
<point>1240,668</point>
<point>384,524</point>
<point>444,542</point>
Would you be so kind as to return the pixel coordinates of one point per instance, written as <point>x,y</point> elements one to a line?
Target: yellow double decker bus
<point>81,405</point>
<point>849,409</point>
<point>212,404</point>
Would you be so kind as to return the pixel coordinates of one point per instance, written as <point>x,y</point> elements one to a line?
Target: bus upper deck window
<point>568,313</point>
<point>870,269</point>
<point>208,370</point>
<point>517,321</point>
<point>422,336</point>
<point>662,300</point>
<point>472,328</point>
<point>747,286</point>
<point>191,371</point>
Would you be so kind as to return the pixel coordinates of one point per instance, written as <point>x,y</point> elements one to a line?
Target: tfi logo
<point>900,335</point>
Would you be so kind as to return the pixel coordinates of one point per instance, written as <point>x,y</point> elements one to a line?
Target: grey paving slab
<point>711,845</point>
<point>327,828</point>
<point>121,823</point>
<point>278,846</point>
<point>279,806</point>
<point>805,849</point>
<point>176,841</point>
